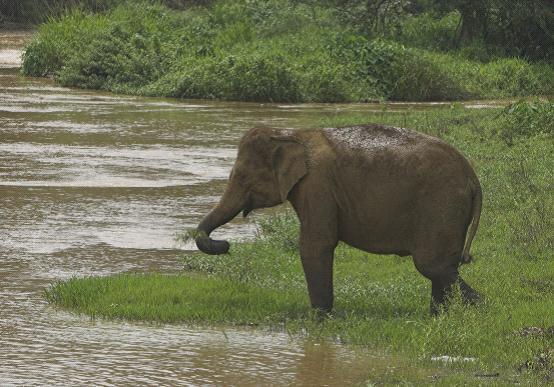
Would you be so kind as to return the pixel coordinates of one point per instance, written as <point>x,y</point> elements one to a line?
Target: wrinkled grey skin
<point>381,189</point>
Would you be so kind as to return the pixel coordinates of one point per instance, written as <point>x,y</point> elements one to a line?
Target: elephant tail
<point>477,204</point>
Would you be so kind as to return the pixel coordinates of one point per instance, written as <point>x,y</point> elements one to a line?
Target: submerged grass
<point>381,301</point>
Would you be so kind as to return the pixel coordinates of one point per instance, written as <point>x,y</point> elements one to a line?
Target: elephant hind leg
<point>440,290</point>
<point>444,275</point>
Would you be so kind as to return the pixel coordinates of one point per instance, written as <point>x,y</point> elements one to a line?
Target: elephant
<point>381,189</point>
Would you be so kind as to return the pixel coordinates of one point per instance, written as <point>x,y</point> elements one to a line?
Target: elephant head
<point>269,164</point>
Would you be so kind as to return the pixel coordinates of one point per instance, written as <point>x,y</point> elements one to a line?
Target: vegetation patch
<point>526,119</point>
<point>269,50</point>
<point>164,298</point>
<point>381,301</point>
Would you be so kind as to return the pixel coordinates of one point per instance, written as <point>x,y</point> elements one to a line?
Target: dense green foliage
<point>28,12</point>
<point>270,50</point>
<point>510,27</point>
<point>35,11</point>
<point>505,27</point>
<point>382,301</point>
<point>527,118</point>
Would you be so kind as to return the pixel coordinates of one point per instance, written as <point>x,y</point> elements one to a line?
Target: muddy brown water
<point>93,184</point>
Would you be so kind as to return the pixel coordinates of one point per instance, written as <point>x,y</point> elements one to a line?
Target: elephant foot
<point>434,309</point>
<point>437,308</point>
<point>441,292</point>
<point>469,295</point>
<point>321,314</point>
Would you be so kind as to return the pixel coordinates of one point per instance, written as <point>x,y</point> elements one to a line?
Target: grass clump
<point>527,119</point>
<point>163,298</point>
<point>265,50</point>
<point>381,301</point>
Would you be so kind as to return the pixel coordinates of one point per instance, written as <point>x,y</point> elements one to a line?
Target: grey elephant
<point>381,189</point>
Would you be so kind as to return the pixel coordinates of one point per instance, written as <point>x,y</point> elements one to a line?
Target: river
<point>93,183</point>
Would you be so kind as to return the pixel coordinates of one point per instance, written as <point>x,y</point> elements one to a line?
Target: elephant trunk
<point>217,217</point>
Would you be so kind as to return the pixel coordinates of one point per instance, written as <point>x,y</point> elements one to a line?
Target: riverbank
<point>381,301</point>
<point>267,52</point>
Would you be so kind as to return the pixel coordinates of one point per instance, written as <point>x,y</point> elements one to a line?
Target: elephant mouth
<point>248,207</point>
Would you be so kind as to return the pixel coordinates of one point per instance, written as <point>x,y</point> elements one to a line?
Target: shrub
<point>526,119</point>
<point>37,11</point>
<point>329,82</point>
<point>114,59</point>
<point>380,59</point>
<point>262,51</point>
<point>429,32</point>
<point>57,41</point>
<point>196,78</point>
<point>408,74</point>
<point>255,77</point>
<point>511,77</point>
<point>246,77</point>
<point>426,76</point>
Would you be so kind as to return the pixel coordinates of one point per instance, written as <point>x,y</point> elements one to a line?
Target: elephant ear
<point>289,163</point>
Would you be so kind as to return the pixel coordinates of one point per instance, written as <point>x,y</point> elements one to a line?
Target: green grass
<point>381,301</point>
<point>265,50</point>
<point>32,12</point>
<point>163,298</point>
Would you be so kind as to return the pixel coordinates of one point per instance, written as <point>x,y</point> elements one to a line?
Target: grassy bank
<point>381,301</point>
<point>268,51</point>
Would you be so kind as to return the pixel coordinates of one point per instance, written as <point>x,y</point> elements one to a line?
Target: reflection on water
<point>93,184</point>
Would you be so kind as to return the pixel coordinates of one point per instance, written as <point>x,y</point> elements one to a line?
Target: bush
<point>247,77</point>
<point>114,59</point>
<point>429,32</point>
<point>527,119</point>
<point>196,78</point>
<point>262,51</point>
<point>425,76</point>
<point>57,41</point>
<point>258,78</point>
<point>516,77</point>
<point>39,11</point>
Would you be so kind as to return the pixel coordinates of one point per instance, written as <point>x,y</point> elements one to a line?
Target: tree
<point>516,27</point>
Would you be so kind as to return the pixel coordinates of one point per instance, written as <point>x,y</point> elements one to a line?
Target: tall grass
<point>261,51</point>
<point>37,11</point>
<point>40,11</point>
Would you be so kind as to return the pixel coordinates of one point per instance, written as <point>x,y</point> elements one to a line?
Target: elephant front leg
<point>317,261</point>
<point>317,212</point>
